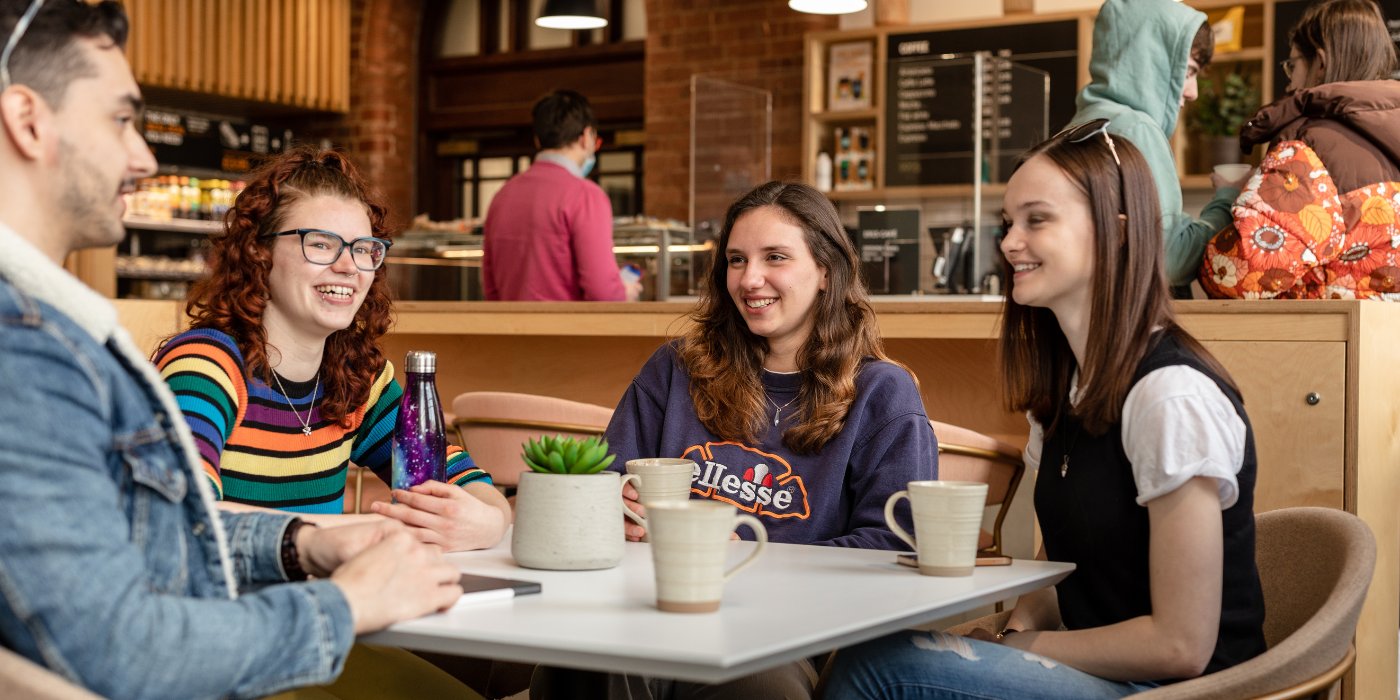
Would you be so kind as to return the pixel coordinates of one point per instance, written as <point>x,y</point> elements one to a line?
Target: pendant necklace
<point>305,424</point>
<point>1064,464</point>
<point>778,410</point>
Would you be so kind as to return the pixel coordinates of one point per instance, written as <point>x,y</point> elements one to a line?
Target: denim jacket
<point>116,569</point>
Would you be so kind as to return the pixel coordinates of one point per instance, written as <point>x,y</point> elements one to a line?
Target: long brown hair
<point>725,359</point>
<point>1354,36</point>
<point>1128,293</point>
<point>234,296</point>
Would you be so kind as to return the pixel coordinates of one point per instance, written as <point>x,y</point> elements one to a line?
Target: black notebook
<point>478,589</point>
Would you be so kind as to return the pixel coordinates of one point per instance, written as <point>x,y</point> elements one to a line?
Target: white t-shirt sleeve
<point>1031,455</point>
<point>1178,425</point>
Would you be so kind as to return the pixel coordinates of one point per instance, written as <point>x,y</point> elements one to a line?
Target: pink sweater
<point>549,238</point>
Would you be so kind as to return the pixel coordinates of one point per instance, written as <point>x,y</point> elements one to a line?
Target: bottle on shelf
<point>420,442</point>
<point>823,172</point>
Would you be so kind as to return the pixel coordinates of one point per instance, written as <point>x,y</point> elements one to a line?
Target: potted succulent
<point>568,507</point>
<point>1221,111</point>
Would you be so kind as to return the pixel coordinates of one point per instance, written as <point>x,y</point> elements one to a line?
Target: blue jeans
<point>937,666</point>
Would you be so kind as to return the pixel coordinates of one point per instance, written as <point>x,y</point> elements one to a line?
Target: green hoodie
<point>1137,74</point>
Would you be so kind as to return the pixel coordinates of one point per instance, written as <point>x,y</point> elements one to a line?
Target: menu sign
<point>889,250</point>
<point>932,86</point>
<point>195,141</point>
<point>931,116</point>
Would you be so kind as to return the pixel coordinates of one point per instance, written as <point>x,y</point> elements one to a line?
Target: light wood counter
<point>1341,449</point>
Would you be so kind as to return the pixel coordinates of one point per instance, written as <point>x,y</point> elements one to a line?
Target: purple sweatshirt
<point>834,497</point>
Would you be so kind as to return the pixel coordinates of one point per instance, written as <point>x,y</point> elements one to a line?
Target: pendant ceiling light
<point>827,7</point>
<point>571,14</point>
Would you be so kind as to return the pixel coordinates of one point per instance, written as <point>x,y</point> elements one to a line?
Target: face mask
<point>588,164</point>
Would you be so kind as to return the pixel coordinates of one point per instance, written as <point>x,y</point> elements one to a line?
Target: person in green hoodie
<point>1146,56</point>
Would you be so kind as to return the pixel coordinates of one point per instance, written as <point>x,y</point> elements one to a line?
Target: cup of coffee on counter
<point>661,480</point>
<point>689,541</point>
<point>947,522</point>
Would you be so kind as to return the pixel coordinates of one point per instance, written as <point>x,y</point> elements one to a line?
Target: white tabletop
<point>795,601</point>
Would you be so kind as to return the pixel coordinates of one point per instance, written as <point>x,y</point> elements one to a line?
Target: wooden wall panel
<point>289,52</point>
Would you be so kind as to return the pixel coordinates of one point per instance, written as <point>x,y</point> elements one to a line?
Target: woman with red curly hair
<point>281,376</point>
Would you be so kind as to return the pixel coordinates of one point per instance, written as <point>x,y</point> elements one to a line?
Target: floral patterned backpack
<point>1295,237</point>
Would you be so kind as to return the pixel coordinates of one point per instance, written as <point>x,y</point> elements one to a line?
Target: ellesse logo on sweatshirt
<point>755,481</point>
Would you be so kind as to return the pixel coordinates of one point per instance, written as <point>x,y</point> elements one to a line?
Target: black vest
<point>1091,517</point>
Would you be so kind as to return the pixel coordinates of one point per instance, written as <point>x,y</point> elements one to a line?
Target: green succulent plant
<point>1222,109</point>
<point>566,455</point>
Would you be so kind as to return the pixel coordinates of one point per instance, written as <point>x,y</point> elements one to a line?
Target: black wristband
<point>291,561</point>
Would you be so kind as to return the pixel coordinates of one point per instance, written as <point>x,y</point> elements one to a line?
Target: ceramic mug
<point>947,522</point>
<point>661,480</point>
<point>689,540</point>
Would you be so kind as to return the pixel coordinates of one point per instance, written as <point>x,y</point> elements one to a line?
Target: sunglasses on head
<point>1080,133</point>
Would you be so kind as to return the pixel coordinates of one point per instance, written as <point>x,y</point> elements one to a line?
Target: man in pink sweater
<point>549,230</point>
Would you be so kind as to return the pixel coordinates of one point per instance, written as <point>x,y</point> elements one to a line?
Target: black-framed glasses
<point>324,247</point>
<point>17,33</point>
<point>1287,64</point>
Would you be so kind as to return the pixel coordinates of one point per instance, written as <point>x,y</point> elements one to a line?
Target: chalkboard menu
<point>212,143</point>
<point>930,97</point>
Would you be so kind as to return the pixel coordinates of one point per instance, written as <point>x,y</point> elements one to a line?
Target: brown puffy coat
<point>1353,126</point>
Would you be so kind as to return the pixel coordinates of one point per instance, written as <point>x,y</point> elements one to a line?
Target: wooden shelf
<point>196,226</point>
<point>846,115</point>
<point>1253,53</point>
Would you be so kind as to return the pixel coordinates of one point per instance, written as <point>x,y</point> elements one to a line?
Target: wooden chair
<point>22,678</point>
<point>1315,566</point>
<point>967,455</point>
<point>492,425</point>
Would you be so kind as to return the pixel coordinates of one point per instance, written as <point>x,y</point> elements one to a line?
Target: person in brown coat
<point>1341,99</point>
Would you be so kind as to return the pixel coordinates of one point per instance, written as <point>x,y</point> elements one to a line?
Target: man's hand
<point>396,579</point>
<point>322,550</point>
<point>1217,181</point>
<point>446,516</point>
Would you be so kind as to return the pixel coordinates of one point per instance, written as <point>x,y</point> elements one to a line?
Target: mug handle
<point>628,511</point>
<point>760,536</point>
<point>894,527</point>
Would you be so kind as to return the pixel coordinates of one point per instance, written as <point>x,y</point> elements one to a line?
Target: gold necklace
<point>305,424</point>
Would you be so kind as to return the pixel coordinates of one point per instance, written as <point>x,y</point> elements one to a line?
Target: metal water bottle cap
<point>420,361</point>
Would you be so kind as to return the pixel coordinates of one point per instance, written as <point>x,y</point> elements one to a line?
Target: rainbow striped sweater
<point>250,435</point>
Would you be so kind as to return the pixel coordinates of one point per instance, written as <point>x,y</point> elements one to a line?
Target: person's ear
<point>822,285</point>
<point>25,119</point>
<point>1319,67</point>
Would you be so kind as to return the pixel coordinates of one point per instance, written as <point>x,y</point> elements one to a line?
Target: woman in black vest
<point>1149,481</point>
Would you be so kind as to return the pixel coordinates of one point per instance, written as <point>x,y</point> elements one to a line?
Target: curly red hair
<point>233,297</point>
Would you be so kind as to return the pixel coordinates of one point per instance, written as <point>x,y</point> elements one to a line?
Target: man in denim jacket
<point>116,570</point>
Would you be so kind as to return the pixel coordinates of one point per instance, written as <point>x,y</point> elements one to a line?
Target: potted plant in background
<point>568,509</point>
<point>1220,112</point>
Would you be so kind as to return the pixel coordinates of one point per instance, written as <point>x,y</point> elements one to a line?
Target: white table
<point>795,601</point>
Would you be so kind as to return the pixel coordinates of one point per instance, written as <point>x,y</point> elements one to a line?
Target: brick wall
<point>757,43</point>
<point>380,131</point>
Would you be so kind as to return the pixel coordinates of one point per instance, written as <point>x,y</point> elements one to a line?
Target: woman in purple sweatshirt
<point>782,394</point>
<point>781,391</point>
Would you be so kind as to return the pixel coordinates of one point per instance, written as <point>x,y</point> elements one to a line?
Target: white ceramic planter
<point>568,521</point>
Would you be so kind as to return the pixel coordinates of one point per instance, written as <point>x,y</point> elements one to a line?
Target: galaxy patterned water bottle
<point>420,445</point>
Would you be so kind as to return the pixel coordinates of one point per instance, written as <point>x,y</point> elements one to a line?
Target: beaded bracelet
<point>291,561</point>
